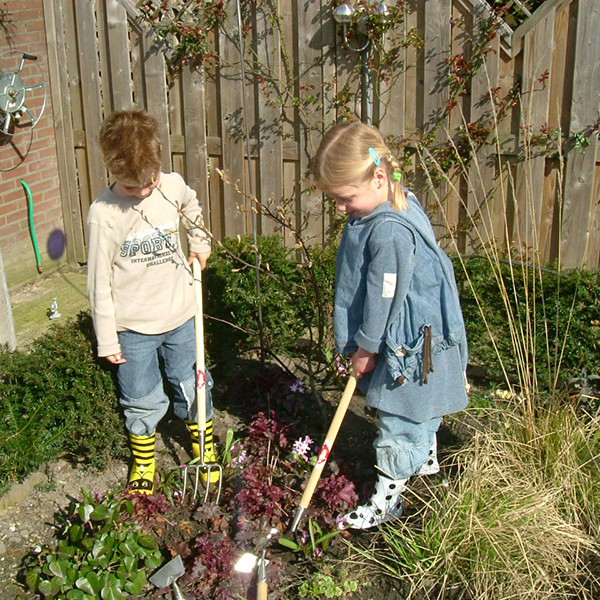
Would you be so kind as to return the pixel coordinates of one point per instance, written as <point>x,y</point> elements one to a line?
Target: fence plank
<point>580,203</point>
<point>90,88</point>
<point>559,70</point>
<point>267,129</point>
<point>537,58</point>
<point>329,90</point>
<point>437,28</point>
<point>549,229</point>
<point>118,52</point>
<point>232,128</point>
<point>155,97</point>
<point>481,186</point>
<point>196,148</point>
<point>61,113</point>
<point>412,83</point>
<point>309,208</point>
<point>454,205</point>
<point>390,95</point>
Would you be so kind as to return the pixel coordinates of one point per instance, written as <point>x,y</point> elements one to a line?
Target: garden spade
<point>168,575</point>
<point>338,417</point>
<point>199,465</point>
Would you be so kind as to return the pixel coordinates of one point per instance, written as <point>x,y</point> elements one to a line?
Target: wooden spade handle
<point>261,590</point>
<point>326,448</point>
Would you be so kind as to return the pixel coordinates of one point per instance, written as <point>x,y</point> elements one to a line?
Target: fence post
<point>7,325</point>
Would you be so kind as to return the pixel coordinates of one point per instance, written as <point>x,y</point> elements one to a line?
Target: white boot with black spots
<point>384,505</point>
<point>432,466</point>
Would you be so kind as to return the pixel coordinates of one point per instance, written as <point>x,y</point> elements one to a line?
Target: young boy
<point>140,286</point>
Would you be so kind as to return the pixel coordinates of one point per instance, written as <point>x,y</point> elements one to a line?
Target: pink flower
<point>301,447</point>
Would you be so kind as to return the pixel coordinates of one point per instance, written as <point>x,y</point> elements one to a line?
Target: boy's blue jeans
<point>402,446</point>
<point>142,393</point>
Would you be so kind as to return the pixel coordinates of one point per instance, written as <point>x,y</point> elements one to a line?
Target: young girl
<point>397,311</point>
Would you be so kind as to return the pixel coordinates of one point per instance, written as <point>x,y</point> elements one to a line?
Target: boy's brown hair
<point>131,146</point>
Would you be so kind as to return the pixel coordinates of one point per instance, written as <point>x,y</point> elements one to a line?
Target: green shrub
<point>293,296</point>
<point>540,321</point>
<point>55,399</point>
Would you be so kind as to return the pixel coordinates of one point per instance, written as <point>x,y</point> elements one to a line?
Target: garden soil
<point>28,512</point>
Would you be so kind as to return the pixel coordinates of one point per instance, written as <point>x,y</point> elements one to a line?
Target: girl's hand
<point>202,259</point>
<point>116,359</point>
<point>363,362</point>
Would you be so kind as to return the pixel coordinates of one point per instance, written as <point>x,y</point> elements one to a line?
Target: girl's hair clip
<point>375,156</point>
<point>397,176</point>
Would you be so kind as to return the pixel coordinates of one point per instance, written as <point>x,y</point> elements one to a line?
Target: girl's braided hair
<point>345,157</point>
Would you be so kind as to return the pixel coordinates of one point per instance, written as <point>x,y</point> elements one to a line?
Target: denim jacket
<point>396,293</point>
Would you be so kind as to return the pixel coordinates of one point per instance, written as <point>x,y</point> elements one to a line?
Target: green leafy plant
<point>313,543</point>
<point>293,296</point>
<point>322,585</point>
<point>103,553</point>
<point>232,302</point>
<point>559,310</point>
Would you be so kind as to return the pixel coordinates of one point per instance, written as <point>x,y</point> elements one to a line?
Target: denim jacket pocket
<point>403,358</point>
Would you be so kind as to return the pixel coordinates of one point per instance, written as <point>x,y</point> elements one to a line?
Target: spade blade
<point>168,573</point>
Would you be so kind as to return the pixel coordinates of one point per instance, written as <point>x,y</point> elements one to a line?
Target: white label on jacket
<point>389,285</point>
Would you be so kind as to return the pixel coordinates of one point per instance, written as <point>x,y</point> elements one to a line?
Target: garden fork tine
<point>200,465</point>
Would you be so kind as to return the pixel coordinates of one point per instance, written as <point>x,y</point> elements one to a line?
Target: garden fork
<point>200,467</point>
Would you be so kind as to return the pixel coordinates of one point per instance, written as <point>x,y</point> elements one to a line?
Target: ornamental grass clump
<point>507,525</point>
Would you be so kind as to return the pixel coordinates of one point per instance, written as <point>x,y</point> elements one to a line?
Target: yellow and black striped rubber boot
<point>141,479</point>
<point>209,448</point>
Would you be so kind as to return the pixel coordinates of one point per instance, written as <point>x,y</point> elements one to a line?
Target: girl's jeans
<point>142,394</point>
<point>402,446</point>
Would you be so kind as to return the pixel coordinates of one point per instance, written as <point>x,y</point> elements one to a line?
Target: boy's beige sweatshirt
<point>138,276</point>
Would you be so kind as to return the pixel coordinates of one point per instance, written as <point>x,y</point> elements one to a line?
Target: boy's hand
<point>116,359</point>
<point>202,258</point>
<point>363,362</point>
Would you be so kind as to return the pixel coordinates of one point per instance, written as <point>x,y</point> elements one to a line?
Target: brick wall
<point>22,28</point>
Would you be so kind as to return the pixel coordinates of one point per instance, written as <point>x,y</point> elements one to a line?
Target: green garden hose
<point>36,248</point>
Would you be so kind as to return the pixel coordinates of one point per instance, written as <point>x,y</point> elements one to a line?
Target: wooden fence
<point>104,58</point>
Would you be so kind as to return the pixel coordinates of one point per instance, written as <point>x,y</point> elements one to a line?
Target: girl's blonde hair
<point>347,155</point>
<point>130,145</point>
